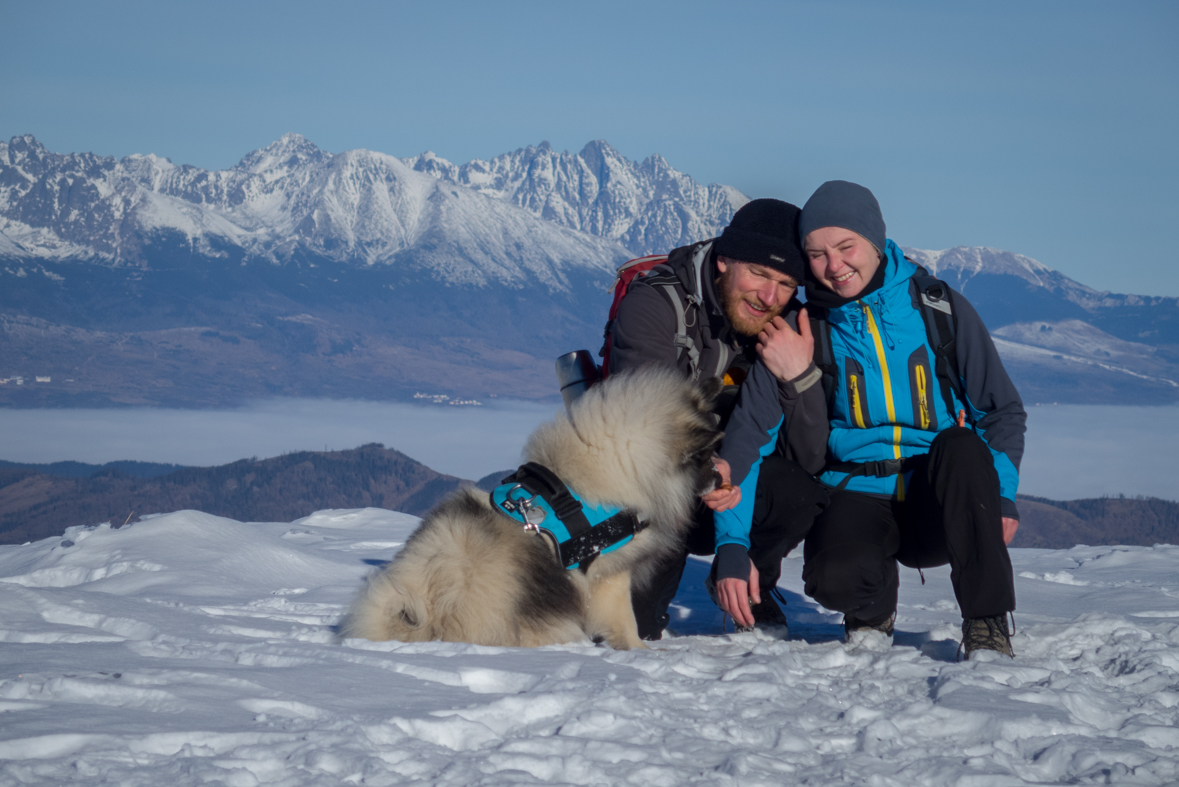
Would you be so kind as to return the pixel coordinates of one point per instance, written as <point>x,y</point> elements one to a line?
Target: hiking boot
<point>858,632</point>
<point>766,615</point>
<point>987,634</point>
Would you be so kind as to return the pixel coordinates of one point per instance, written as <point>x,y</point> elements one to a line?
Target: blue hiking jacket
<point>887,400</point>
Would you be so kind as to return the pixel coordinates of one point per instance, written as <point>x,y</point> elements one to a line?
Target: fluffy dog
<point>642,441</point>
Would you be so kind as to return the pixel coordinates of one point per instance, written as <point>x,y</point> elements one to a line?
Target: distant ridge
<point>35,505</point>
<point>1101,521</point>
<point>72,469</point>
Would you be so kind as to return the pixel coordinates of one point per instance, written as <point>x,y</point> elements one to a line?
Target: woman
<point>922,467</point>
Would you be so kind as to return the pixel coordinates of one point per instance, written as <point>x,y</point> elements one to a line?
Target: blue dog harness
<point>536,498</point>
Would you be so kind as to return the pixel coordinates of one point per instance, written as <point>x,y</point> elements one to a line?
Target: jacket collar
<point>894,270</point>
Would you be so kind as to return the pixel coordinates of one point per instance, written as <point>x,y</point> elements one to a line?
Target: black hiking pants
<point>787,500</point>
<point>950,514</point>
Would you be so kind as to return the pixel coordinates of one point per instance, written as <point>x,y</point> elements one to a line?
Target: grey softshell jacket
<point>769,415</point>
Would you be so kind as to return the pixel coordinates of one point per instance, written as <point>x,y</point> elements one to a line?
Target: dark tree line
<point>34,505</point>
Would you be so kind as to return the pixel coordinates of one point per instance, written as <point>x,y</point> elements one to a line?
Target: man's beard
<point>731,301</point>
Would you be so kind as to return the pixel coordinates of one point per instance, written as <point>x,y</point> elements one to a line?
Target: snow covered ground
<point>190,649</point>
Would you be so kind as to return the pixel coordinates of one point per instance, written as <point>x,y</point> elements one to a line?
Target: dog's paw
<point>626,643</point>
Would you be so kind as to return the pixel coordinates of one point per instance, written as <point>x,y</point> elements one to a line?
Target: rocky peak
<point>433,165</point>
<point>29,156</point>
<point>648,207</point>
<point>962,263</point>
<point>24,145</point>
<point>289,152</point>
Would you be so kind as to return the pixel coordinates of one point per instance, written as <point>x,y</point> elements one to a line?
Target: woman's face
<point>841,260</point>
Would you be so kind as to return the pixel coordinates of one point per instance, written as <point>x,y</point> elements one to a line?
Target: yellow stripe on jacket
<point>887,380</point>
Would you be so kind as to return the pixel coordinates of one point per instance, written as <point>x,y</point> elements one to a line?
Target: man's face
<point>752,295</point>
<point>841,260</point>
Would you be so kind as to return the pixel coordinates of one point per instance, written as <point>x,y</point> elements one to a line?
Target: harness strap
<point>585,541</point>
<point>539,480</point>
<point>880,469</point>
<point>586,546</point>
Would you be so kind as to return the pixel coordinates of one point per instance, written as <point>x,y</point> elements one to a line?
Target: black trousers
<point>786,502</point>
<point>950,514</point>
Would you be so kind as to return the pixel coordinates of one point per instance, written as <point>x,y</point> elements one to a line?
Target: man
<point>729,289</point>
<point>922,459</point>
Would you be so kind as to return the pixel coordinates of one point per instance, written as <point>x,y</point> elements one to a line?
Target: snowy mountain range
<point>302,272</point>
<point>648,207</point>
<point>289,201</point>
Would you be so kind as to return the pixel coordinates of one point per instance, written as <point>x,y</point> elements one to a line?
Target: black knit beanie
<point>838,203</point>
<point>764,232</point>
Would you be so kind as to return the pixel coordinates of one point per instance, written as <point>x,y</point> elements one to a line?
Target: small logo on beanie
<point>776,258</point>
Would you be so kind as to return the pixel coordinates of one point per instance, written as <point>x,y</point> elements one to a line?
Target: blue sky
<point>1044,128</point>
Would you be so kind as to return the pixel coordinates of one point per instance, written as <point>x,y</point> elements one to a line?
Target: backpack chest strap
<point>880,469</point>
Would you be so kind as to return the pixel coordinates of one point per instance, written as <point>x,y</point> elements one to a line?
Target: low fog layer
<point>465,441</point>
<point>1073,451</point>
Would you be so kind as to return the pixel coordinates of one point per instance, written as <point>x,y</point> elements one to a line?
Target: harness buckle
<point>532,514</point>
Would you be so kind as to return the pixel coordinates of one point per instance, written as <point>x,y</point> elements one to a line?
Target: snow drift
<point>189,649</point>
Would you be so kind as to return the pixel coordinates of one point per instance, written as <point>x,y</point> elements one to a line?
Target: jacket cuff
<point>1007,508</point>
<point>793,388</point>
<point>732,562</point>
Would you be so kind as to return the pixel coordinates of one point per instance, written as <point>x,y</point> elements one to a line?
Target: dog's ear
<point>710,389</point>
<point>402,605</point>
<point>413,612</point>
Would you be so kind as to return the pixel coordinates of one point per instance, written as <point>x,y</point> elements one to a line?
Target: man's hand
<point>726,495</point>
<point>1009,527</point>
<point>733,595</point>
<point>786,352</point>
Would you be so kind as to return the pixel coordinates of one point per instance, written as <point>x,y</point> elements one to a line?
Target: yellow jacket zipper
<point>887,380</point>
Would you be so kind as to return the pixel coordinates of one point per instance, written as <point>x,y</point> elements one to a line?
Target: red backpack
<point>627,272</point>
<point>623,276</point>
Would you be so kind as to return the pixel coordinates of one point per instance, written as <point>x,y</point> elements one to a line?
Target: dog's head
<point>388,609</point>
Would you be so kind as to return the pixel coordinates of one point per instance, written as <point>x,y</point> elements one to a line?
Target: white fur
<point>468,573</point>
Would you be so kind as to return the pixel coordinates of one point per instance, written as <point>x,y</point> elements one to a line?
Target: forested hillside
<point>1055,524</point>
<point>34,505</point>
<point>41,501</point>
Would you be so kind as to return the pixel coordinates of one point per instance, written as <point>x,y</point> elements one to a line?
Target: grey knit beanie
<point>838,203</point>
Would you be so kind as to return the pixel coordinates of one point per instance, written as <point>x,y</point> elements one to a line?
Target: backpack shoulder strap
<point>824,356</point>
<point>931,297</point>
<point>681,268</point>
<point>682,340</point>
